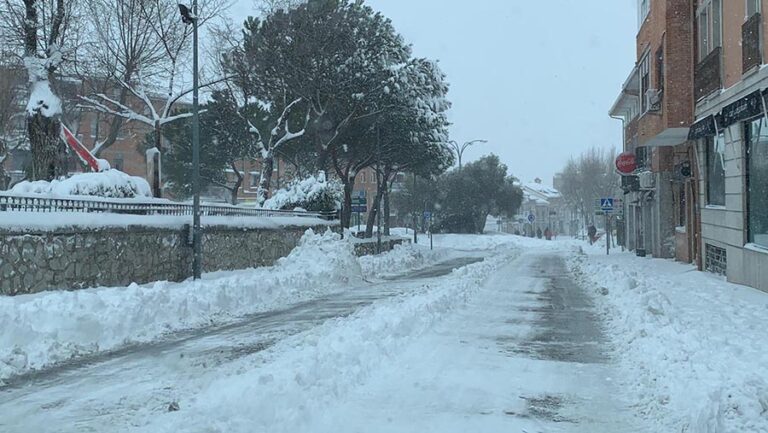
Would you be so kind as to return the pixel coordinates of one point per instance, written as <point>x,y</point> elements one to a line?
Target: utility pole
<point>379,181</point>
<point>415,230</point>
<point>190,17</point>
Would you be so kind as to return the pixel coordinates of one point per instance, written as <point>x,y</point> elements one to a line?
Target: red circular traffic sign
<point>626,162</point>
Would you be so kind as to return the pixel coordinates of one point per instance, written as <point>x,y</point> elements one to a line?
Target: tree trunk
<point>265,182</point>
<point>374,209</point>
<point>386,222</point>
<point>346,209</point>
<point>157,190</point>
<point>49,154</point>
<point>236,188</point>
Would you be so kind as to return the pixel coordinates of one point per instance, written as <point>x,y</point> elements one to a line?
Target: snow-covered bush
<point>110,183</point>
<point>314,193</point>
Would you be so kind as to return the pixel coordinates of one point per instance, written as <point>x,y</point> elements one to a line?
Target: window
<point>660,68</point>
<point>645,82</point>
<point>716,170</point>
<point>757,181</point>
<point>94,126</point>
<point>753,7</point>
<point>709,22</point>
<point>255,177</point>
<point>644,7</point>
<point>118,161</point>
<point>362,177</point>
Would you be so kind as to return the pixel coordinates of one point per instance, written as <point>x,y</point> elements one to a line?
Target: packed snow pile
<point>50,327</point>
<point>109,183</point>
<point>402,257</point>
<point>691,346</point>
<point>314,193</point>
<point>296,380</point>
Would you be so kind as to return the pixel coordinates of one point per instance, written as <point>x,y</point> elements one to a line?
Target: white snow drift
<point>110,183</point>
<point>51,327</point>
<point>691,345</point>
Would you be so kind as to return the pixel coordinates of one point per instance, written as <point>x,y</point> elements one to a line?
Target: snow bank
<point>110,183</point>
<point>46,328</point>
<point>50,327</point>
<point>692,346</point>
<point>402,257</point>
<point>284,388</point>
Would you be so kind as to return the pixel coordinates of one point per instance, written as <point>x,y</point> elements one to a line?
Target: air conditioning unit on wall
<point>653,99</point>
<point>647,180</point>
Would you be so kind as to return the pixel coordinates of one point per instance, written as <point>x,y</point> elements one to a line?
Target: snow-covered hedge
<point>314,193</point>
<point>110,183</point>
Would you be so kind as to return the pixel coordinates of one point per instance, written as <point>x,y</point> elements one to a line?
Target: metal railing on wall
<point>32,203</point>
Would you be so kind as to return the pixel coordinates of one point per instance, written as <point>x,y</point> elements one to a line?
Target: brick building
<point>656,108</point>
<point>695,114</point>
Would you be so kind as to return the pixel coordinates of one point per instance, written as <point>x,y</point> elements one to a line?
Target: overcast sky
<point>536,79</point>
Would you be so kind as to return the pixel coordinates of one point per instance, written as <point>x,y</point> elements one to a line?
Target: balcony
<point>751,44</point>
<point>707,74</point>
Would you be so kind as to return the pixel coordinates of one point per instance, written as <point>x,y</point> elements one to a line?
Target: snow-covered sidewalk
<point>290,387</point>
<point>691,346</point>
<point>47,328</point>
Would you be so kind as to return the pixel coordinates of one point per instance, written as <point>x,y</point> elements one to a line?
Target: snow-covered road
<point>131,385</point>
<point>486,333</point>
<point>527,354</point>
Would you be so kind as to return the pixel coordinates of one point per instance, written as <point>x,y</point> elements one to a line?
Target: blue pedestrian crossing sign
<point>606,204</point>
<point>531,218</point>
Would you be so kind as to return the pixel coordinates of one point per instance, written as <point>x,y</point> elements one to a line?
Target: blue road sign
<point>427,214</point>
<point>606,204</point>
<point>531,218</point>
<point>359,209</point>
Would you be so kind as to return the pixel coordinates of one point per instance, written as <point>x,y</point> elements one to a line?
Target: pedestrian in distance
<point>548,234</point>
<point>538,233</point>
<point>592,232</point>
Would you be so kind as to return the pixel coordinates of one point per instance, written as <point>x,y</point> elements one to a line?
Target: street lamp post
<point>190,17</point>
<point>459,149</point>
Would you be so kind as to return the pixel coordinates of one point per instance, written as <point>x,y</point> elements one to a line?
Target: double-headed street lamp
<point>459,149</point>
<point>190,17</point>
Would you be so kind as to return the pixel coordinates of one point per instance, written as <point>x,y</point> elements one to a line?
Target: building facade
<point>706,76</point>
<point>656,109</point>
<point>731,136</point>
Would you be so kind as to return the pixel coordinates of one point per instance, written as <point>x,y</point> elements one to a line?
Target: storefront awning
<point>705,127</point>
<point>743,109</point>
<point>668,137</point>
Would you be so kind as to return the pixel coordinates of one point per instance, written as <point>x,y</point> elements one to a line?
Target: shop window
<point>757,182</point>
<point>716,170</point>
<point>709,22</point>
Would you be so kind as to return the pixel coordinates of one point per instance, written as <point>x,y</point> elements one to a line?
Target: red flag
<point>82,152</point>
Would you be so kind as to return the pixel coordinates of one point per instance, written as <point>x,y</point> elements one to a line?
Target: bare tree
<point>589,177</point>
<point>152,64</point>
<point>38,31</point>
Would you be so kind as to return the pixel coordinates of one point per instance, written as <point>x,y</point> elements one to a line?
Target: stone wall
<point>31,262</point>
